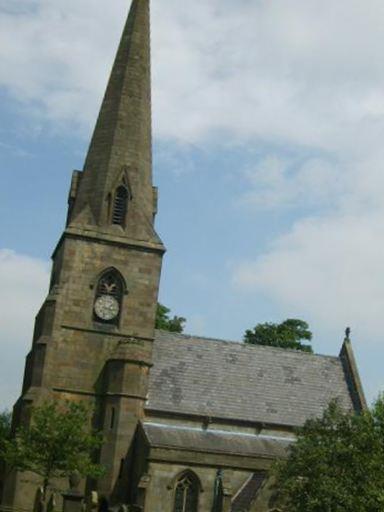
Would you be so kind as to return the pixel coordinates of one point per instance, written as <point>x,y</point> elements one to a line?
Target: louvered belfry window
<point>120,205</point>
<point>186,494</point>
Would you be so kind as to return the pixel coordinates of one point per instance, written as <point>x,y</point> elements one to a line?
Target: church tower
<point>94,333</point>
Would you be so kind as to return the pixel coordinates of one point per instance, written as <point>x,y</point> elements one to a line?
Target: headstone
<point>39,501</point>
<point>92,502</point>
<point>73,499</point>
<point>52,503</point>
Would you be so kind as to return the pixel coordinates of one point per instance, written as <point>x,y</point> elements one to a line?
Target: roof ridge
<point>241,343</point>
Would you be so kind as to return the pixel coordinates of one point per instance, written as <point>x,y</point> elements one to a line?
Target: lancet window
<point>186,493</point>
<point>120,206</point>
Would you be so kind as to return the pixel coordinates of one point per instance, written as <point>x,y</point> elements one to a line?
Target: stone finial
<point>348,333</point>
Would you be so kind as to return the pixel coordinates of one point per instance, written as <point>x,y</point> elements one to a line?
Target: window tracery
<point>110,284</point>
<point>186,493</point>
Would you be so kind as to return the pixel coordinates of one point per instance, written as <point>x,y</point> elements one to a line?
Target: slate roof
<point>248,493</point>
<point>235,381</point>
<point>213,441</point>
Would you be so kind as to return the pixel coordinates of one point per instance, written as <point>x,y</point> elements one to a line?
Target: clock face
<point>106,307</point>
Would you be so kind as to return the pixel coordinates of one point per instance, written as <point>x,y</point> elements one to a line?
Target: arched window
<point>108,297</point>
<point>120,206</point>
<point>186,493</point>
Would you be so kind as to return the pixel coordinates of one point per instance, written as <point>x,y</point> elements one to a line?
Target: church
<point>190,424</point>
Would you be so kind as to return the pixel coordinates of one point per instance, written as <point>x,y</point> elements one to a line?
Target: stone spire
<point>121,146</point>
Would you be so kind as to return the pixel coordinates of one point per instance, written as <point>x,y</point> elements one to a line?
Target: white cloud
<point>24,281</point>
<point>303,75</point>
<point>294,71</point>
<point>277,182</point>
<point>330,268</point>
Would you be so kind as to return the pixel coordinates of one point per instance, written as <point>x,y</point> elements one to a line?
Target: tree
<point>336,465</point>
<point>288,334</point>
<point>5,428</point>
<point>165,323</point>
<point>57,443</point>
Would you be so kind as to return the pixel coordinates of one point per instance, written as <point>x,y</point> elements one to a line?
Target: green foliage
<point>57,443</point>
<point>288,334</point>
<point>5,429</point>
<point>165,323</point>
<point>337,464</point>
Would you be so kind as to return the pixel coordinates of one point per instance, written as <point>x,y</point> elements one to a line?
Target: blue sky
<point>268,130</point>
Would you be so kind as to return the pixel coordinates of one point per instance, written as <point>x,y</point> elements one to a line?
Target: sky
<point>268,120</point>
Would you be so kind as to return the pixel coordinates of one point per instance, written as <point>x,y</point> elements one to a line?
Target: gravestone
<point>39,503</point>
<point>73,499</point>
<point>92,502</point>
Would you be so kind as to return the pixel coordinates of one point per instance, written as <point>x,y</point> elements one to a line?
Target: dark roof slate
<point>235,381</point>
<point>248,493</point>
<point>214,441</point>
